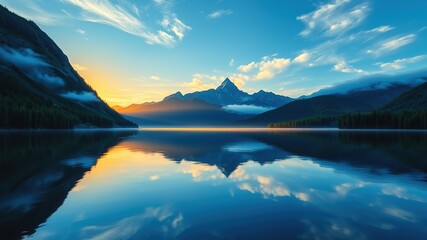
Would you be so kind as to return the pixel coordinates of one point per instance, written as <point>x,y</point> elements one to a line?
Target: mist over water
<point>158,184</point>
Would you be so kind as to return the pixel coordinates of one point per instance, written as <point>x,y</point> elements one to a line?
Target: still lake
<point>157,184</point>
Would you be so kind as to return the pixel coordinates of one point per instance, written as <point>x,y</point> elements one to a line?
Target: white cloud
<point>400,63</point>
<point>201,172</point>
<point>219,13</point>
<point>246,109</point>
<point>392,44</point>
<point>104,12</point>
<point>239,79</point>
<point>343,67</point>
<point>248,67</point>
<point>22,58</point>
<point>334,17</point>
<point>267,68</point>
<point>302,196</point>
<point>302,58</point>
<point>31,64</point>
<point>197,84</point>
<point>81,96</point>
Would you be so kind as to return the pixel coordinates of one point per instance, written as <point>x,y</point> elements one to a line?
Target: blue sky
<point>138,51</point>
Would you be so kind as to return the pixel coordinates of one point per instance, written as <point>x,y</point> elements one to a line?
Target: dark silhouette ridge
<point>39,88</point>
<point>42,167</point>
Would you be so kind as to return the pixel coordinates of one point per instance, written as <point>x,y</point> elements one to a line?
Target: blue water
<point>213,185</point>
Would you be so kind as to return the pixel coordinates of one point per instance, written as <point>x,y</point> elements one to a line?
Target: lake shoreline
<point>213,129</point>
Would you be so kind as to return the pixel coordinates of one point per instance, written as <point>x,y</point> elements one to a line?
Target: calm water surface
<point>213,185</point>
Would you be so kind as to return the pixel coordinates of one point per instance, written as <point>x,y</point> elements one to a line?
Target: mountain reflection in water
<point>213,185</point>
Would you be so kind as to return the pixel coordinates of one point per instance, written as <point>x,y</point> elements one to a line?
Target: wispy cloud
<point>159,2</point>
<point>400,63</point>
<point>35,11</point>
<point>392,44</point>
<point>381,29</point>
<point>219,13</point>
<point>115,15</point>
<point>334,51</point>
<point>175,25</point>
<point>168,225</point>
<point>333,18</point>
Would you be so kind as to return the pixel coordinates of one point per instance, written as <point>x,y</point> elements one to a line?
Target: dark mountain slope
<point>329,105</point>
<point>38,86</point>
<point>414,99</point>
<point>407,111</point>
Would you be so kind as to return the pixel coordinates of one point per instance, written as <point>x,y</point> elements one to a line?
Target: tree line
<point>25,112</point>
<point>416,119</point>
<point>316,121</point>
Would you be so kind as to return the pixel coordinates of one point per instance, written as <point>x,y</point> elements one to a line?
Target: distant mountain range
<point>408,111</point>
<point>38,86</point>
<point>214,107</point>
<point>179,112</point>
<point>217,107</point>
<point>228,94</point>
<point>359,100</point>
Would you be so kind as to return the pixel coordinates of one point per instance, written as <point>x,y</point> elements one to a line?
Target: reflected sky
<point>180,185</point>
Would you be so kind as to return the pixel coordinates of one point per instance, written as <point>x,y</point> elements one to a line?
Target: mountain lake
<point>213,184</point>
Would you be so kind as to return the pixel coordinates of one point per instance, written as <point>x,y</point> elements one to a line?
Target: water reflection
<point>37,171</point>
<point>216,185</point>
